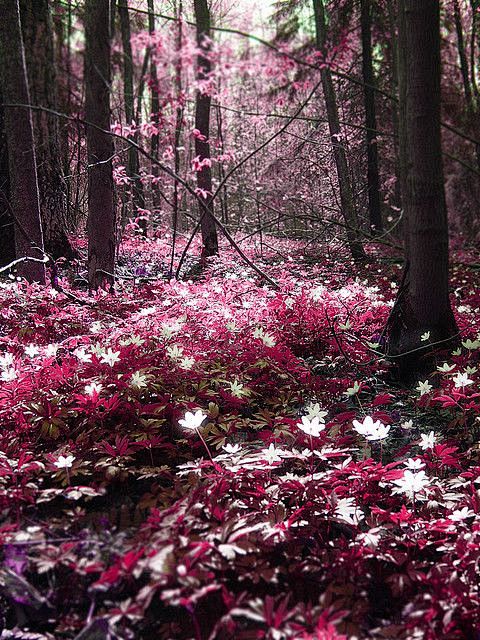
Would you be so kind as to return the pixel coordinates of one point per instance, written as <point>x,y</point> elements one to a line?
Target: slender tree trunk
<point>373,180</point>
<point>474,37</point>
<point>100,148</point>
<point>178,127</point>
<point>7,237</point>
<point>133,165</point>
<point>402,117</point>
<point>392,25</point>
<point>154,108</point>
<point>423,304</point>
<point>346,195</point>
<point>37,31</point>
<point>202,123</point>
<point>25,203</point>
<point>462,53</point>
<point>471,103</point>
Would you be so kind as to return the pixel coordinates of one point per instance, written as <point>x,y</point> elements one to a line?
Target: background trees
<point>206,116</point>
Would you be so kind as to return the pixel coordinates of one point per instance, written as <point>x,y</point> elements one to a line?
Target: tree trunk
<point>462,53</point>
<point>423,304</point>
<point>7,238</point>
<point>37,32</point>
<point>100,148</point>
<point>202,123</point>
<point>179,113</point>
<point>25,204</point>
<point>471,106</point>
<point>373,180</point>
<point>154,108</point>
<point>392,26</point>
<point>133,166</point>
<point>346,195</point>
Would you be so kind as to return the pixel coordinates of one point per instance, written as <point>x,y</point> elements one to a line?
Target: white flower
<point>175,352</point>
<point>96,327</point>
<point>110,357</point>
<point>94,387</point>
<point>148,311</point>
<point>237,389</point>
<point>424,387</point>
<point>51,350</point>
<point>408,424</point>
<point>271,454</point>
<point>231,448</point>
<point>446,368</point>
<point>186,363</point>
<point>461,514</point>
<point>427,441</point>
<point>138,380</point>
<point>64,462</point>
<point>82,354</point>
<point>314,410</point>
<point>8,375</point>
<point>471,345</point>
<point>370,429</point>
<point>370,538</point>
<point>414,464</point>
<point>6,360</point>
<point>193,420</point>
<point>348,511</point>
<point>268,340</point>
<point>32,351</point>
<point>412,483</point>
<point>352,391</point>
<point>379,433</point>
<point>461,380</point>
<point>311,427</point>
<point>425,336</point>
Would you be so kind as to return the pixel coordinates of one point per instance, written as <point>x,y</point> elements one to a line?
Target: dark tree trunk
<point>423,304</point>
<point>373,180</point>
<point>471,105</point>
<point>7,238</point>
<point>100,148</point>
<point>133,166</point>
<point>344,183</point>
<point>393,51</point>
<point>178,127</point>
<point>202,123</point>
<point>154,108</point>
<point>37,31</point>
<point>25,204</point>
<point>462,53</point>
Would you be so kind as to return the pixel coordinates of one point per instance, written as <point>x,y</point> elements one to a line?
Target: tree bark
<point>154,108</point>
<point>100,148</point>
<point>7,237</point>
<point>37,32</point>
<point>423,304</point>
<point>373,180</point>
<point>133,165</point>
<point>202,123</point>
<point>25,204</point>
<point>344,183</point>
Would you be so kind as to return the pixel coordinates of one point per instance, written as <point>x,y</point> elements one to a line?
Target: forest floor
<point>245,521</point>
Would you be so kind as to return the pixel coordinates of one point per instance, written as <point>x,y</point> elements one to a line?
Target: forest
<point>239,341</point>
